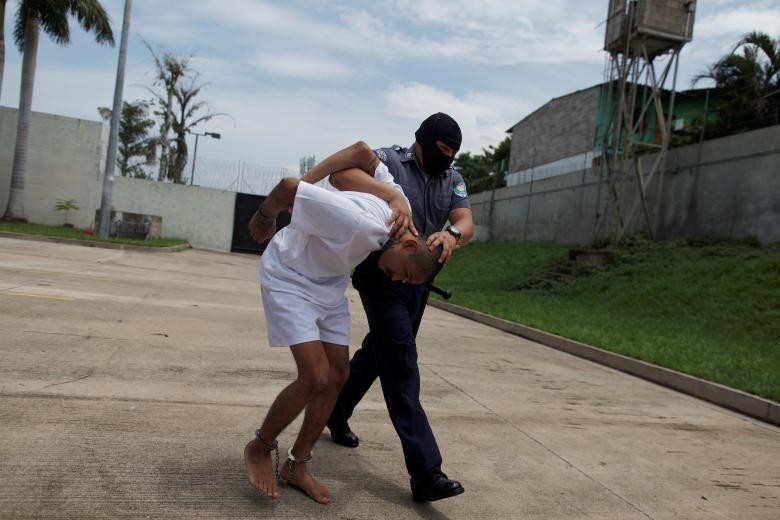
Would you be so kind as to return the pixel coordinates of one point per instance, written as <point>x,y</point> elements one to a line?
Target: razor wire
<point>237,176</point>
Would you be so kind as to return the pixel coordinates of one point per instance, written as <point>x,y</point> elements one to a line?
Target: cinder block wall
<point>64,161</point>
<point>734,192</point>
<point>562,128</point>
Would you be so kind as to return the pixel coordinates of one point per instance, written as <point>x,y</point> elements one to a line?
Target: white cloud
<point>255,14</point>
<point>163,27</point>
<point>540,31</point>
<point>470,14</point>
<point>303,67</point>
<point>509,33</point>
<point>256,20</point>
<point>483,117</point>
<point>739,21</point>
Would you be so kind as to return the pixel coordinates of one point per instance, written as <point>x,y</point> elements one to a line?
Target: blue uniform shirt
<point>431,198</point>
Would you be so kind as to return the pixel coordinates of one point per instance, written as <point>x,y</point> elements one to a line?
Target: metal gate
<point>246,205</point>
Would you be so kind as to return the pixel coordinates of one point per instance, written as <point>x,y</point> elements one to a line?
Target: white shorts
<point>291,319</point>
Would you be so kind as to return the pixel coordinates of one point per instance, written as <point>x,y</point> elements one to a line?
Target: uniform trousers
<point>389,351</point>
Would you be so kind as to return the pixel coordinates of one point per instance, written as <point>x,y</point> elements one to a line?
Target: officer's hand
<point>401,219</point>
<point>261,227</point>
<point>446,240</point>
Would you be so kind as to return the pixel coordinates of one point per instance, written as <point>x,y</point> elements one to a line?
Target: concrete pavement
<point>130,381</point>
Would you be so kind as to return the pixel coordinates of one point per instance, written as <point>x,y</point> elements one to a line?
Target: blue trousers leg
<point>391,343</point>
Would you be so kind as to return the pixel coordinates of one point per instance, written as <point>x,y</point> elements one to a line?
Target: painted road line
<point>36,295</point>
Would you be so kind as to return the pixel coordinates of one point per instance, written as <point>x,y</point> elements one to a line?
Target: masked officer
<point>437,194</point>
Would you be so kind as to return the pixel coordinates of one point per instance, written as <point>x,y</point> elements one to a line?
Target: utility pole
<point>113,134</point>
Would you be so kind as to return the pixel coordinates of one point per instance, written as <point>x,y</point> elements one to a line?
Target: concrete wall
<point>561,128</point>
<point>203,216</point>
<point>733,193</point>
<point>64,162</point>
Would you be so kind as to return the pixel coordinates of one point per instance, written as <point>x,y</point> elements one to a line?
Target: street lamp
<point>213,135</point>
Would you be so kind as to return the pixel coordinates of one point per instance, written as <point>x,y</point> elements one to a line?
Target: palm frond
<point>92,18</point>
<point>52,17</point>
<point>207,117</point>
<point>20,22</point>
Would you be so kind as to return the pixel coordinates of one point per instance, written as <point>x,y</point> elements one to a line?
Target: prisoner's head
<point>409,260</point>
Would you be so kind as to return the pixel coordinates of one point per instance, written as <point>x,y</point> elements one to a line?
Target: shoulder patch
<point>381,154</point>
<point>460,189</point>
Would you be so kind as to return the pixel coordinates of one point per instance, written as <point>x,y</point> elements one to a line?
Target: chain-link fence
<point>236,176</point>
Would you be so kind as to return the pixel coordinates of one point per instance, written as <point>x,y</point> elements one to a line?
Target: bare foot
<point>259,468</point>
<point>302,479</point>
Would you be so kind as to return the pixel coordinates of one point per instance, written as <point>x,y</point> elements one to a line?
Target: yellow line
<point>33,295</point>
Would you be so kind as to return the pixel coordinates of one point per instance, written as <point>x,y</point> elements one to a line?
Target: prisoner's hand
<point>401,219</point>
<point>446,240</point>
<point>261,227</point>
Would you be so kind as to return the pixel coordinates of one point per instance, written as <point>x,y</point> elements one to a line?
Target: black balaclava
<point>438,127</point>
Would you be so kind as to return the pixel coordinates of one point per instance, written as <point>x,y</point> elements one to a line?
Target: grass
<point>707,308</point>
<point>80,234</point>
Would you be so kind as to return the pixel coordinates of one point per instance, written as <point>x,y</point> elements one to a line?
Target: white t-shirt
<point>330,233</point>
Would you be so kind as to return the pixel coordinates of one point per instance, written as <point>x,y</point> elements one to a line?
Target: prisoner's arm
<point>262,225</point>
<point>359,155</point>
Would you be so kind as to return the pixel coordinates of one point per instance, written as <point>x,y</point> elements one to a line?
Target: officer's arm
<point>354,179</point>
<point>359,155</point>
<point>462,219</point>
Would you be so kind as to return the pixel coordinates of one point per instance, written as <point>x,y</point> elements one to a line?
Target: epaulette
<point>398,148</point>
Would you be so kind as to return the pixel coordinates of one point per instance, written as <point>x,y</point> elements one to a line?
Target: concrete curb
<point>742,402</point>
<point>93,243</point>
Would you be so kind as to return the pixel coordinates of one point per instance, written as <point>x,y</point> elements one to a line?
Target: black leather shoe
<point>344,436</point>
<point>437,487</point>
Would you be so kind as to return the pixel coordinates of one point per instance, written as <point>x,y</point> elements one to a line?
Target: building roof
<point>694,92</point>
<point>598,85</point>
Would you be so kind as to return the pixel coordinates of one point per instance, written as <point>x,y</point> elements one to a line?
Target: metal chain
<point>270,447</point>
<point>292,460</point>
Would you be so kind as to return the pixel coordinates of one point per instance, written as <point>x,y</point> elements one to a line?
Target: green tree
<point>748,80</point>
<point>477,168</point>
<point>51,16</point>
<point>134,141</point>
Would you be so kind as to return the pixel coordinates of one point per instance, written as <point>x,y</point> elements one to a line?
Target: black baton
<point>428,288</point>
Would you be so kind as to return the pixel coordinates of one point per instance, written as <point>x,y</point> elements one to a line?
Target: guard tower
<point>644,39</point>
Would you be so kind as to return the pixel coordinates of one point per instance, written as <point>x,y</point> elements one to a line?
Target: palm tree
<point>2,42</point>
<point>52,17</point>
<point>169,70</point>
<point>749,80</point>
<point>186,119</point>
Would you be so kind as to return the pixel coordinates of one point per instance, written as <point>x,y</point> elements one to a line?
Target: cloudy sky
<point>303,77</point>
